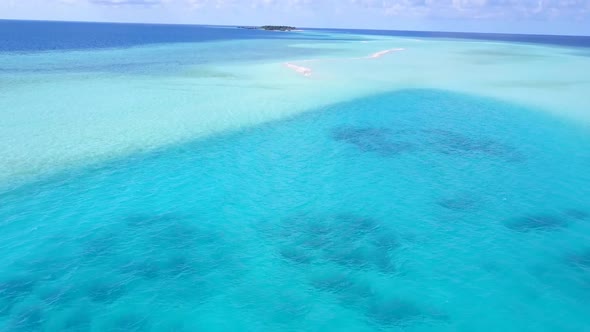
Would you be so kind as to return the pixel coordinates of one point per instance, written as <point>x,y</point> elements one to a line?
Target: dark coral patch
<point>28,319</point>
<point>384,262</point>
<point>351,257</point>
<point>386,241</point>
<point>377,140</point>
<point>147,220</point>
<point>291,308</point>
<point>106,292</point>
<point>351,241</point>
<point>16,288</point>
<point>60,296</point>
<point>350,291</point>
<point>131,323</point>
<point>352,134</point>
<point>296,255</point>
<point>577,214</point>
<point>100,247</point>
<point>148,269</point>
<point>580,260</point>
<point>387,142</point>
<point>181,266</point>
<point>78,321</point>
<point>358,224</point>
<point>173,231</point>
<point>333,282</point>
<point>178,247</point>
<point>178,236</point>
<point>13,291</point>
<point>52,268</point>
<point>393,312</point>
<point>453,143</point>
<point>536,223</point>
<point>357,295</point>
<point>458,204</point>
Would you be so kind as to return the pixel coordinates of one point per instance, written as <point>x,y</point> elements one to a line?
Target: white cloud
<point>479,8</point>
<point>437,9</point>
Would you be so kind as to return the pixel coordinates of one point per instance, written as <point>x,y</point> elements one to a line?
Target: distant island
<point>271,28</point>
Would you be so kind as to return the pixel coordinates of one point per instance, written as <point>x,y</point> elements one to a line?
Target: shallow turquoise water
<point>417,210</point>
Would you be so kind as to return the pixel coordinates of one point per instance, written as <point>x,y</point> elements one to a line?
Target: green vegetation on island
<point>271,28</point>
<point>277,28</point>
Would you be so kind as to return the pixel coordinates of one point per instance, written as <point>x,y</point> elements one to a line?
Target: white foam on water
<point>305,71</point>
<point>385,52</point>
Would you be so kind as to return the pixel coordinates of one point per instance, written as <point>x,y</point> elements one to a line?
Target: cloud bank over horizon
<point>519,16</point>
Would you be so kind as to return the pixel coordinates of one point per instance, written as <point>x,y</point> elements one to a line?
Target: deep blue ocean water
<point>33,36</point>
<point>415,210</point>
<point>559,40</point>
<point>420,210</point>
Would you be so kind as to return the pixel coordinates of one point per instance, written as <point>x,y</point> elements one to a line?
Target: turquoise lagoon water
<point>188,192</point>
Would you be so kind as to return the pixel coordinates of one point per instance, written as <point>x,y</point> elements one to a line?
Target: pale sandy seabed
<point>54,117</point>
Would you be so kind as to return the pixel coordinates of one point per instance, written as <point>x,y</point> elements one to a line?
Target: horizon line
<point>314,28</point>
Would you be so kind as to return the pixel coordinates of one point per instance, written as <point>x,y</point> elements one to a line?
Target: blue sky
<point>519,16</point>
